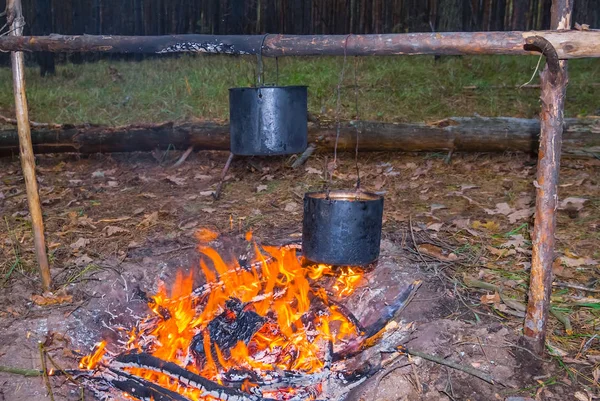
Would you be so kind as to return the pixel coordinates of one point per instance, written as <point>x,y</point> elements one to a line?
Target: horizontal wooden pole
<point>569,44</point>
<point>461,134</point>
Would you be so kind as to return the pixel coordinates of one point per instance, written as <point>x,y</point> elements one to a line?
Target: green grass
<point>391,88</point>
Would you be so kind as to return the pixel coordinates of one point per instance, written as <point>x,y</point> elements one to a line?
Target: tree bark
<point>554,80</point>
<point>15,19</point>
<point>568,44</point>
<point>461,134</point>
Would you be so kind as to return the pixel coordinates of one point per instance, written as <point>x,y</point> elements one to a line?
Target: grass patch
<point>390,88</point>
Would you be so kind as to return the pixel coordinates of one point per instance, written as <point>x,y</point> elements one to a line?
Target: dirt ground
<point>115,223</point>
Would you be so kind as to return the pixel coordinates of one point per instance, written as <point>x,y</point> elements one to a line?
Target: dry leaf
<point>175,180</point>
<point>577,262</point>
<point>311,170</point>
<point>488,225</point>
<point>558,269</point>
<point>202,177</point>
<point>501,252</point>
<point>466,187</point>
<point>207,193</point>
<point>261,188</point>
<point>149,220</point>
<point>520,215</point>
<point>83,260</point>
<point>291,207</point>
<point>596,375</point>
<point>139,210</point>
<point>572,203</point>
<point>515,241</point>
<point>209,210</point>
<point>148,195</point>
<point>437,206</point>
<point>436,252</point>
<point>80,243</point>
<point>49,298</point>
<point>501,208</point>
<point>189,225</point>
<point>114,230</point>
<point>113,184</point>
<point>580,396</point>
<point>490,298</point>
<point>435,226</point>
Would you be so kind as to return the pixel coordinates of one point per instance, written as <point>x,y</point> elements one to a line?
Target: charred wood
<point>208,387</point>
<point>142,389</point>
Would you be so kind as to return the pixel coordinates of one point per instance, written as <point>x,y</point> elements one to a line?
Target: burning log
<point>142,389</point>
<point>174,371</point>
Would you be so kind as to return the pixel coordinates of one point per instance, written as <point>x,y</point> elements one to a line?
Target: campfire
<point>268,326</point>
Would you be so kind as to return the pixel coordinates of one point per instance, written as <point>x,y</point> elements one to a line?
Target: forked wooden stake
<point>15,20</point>
<point>554,81</point>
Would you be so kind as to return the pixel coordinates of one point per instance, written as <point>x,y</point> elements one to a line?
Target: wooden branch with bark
<point>16,21</point>
<point>568,44</point>
<point>459,134</point>
<point>553,80</point>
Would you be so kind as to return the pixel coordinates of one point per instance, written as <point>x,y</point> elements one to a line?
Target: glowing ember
<point>270,316</point>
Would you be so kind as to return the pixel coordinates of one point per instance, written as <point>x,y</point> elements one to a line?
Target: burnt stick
<point>374,331</point>
<point>186,377</point>
<point>142,389</point>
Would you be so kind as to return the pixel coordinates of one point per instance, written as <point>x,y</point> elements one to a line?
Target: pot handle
<point>260,75</point>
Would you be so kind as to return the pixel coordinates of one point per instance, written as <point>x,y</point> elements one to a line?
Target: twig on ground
<point>183,157</point>
<point>472,371</point>
<point>412,235</point>
<point>45,371</point>
<point>21,372</point>
<point>217,193</point>
<point>575,287</point>
<point>12,121</point>
<point>62,371</point>
<point>304,157</point>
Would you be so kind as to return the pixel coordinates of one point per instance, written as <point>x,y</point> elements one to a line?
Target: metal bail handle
<point>260,77</point>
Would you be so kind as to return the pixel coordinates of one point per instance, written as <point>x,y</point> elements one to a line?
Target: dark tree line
<point>161,17</point>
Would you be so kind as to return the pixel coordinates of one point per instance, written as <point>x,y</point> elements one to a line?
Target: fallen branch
<point>45,371</point>
<point>304,157</point>
<point>183,157</point>
<point>575,287</point>
<point>12,121</point>
<point>472,371</point>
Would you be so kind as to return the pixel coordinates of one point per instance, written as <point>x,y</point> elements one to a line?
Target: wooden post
<point>15,19</point>
<point>554,81</point>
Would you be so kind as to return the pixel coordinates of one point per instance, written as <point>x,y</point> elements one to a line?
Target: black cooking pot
<point>342,229</point>
<point>268,120</point>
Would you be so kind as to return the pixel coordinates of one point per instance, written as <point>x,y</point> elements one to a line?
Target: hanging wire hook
<point>260,61</point>
<point>337,114</point>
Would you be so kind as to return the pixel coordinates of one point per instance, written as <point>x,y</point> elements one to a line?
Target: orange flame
<point>276,287</point>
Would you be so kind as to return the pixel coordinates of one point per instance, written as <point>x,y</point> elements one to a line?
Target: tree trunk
<point>519,15</point>
<point>458,134</point>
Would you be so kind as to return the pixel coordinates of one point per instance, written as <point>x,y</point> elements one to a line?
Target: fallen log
<point>459,134</point>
